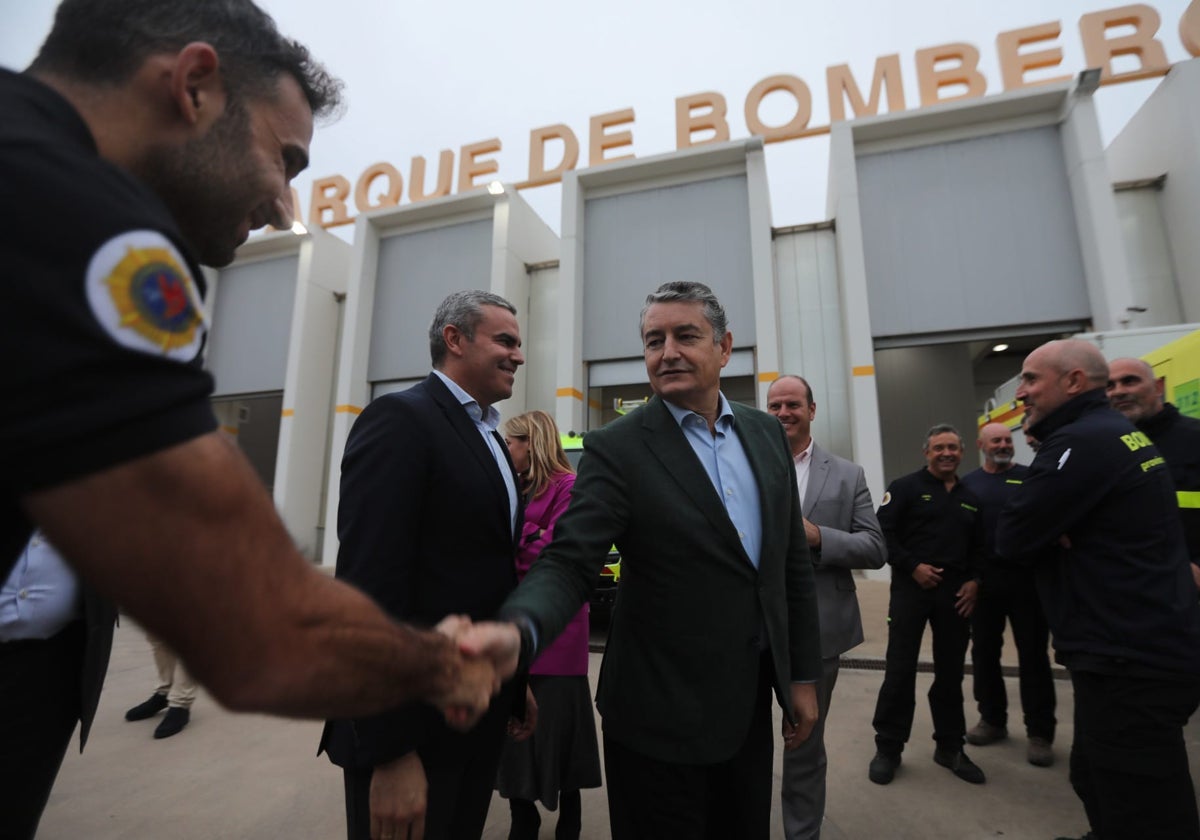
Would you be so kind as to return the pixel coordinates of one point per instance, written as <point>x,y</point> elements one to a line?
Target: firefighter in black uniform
<point>1136,392</point>
<point>144,132</point>
<point>1009,594</point>
<point>1118,594</point>
<point>934,533</point>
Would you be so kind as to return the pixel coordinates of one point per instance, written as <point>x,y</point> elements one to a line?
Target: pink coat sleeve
<point>540,515</point>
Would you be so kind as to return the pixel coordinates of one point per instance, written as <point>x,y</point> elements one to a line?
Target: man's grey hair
<point>941,429</point>
<point>687,291</point>
<point>463,310</point>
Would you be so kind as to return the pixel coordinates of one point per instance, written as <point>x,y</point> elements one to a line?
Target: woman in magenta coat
<point>561,757</point>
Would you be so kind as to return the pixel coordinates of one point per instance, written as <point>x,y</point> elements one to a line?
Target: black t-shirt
<point>923,522</point>
<point>993,490</point>
<point>101,327</point>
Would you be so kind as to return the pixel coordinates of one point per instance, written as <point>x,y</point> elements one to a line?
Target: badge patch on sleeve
<point>142,294</point>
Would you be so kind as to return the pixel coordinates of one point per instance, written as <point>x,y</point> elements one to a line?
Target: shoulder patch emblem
<point>887,497</point>
<point>142,294</point>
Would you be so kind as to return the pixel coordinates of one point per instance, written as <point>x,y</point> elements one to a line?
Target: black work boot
<point>149,709</point>
<point>883,768</point>
<point>177,718</point>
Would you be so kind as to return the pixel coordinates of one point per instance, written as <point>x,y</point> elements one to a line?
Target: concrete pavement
<point>249,776</point>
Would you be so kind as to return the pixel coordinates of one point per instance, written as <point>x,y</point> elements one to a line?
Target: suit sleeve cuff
<point>529,641</point>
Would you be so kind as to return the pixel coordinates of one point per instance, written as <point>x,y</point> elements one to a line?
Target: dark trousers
<point>460,769</point>
<point>527,822</point>
<point>909,609</point>
<point>802,793</point>
<point>650,799</point>
<point>1129,761</point>
<point>1012,594</point>
<point>39,707</point>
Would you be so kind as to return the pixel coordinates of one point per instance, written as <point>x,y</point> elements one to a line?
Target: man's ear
<point>1077,382</point>
<point>454,339</point>
<point>196,87</point>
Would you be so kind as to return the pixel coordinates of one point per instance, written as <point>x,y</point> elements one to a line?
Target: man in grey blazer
<point>843,534</point>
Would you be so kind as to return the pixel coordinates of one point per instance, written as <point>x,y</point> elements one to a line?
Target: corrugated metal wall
<point>970,234</point>
<point>415,273</point>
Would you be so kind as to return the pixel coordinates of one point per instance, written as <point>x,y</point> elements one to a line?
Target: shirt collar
<point>805,453</point>
<point>723,412</point>
<point>1069,412</point>
<point>491,419</point>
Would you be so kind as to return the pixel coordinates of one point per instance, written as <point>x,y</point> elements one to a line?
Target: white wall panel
<point>541,339</point>
<point>252,325</point>
<point>1151,273</point>
<point>1164,138</point>
<point>811,335</point>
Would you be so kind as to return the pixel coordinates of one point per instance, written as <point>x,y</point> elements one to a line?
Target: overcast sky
<point>425,77</point>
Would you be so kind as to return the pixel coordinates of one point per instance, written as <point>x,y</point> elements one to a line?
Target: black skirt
<point>562,753</point>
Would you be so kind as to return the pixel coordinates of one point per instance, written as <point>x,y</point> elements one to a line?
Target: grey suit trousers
<point>804,768</point>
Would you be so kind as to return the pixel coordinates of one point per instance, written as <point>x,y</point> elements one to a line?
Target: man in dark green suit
<point>717,607</point>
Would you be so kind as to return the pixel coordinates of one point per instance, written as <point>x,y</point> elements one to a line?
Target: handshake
<point>486,654</point>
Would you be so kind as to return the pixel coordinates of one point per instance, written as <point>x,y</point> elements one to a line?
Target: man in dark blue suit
<point>429,508</point>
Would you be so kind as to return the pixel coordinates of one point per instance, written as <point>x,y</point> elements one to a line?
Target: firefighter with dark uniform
<point>934,532</point>
<point>1118,594</point>
<point>148,137</point>
<point>1136,392</point>
<point>1009,594</point>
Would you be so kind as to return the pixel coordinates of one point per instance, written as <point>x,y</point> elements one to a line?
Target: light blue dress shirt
<point>729,470</point>
<point>488,425</point>
<point>41,595</point>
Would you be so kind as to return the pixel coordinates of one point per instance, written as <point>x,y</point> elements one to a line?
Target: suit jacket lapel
<point>458,419</point>
<point>818,474</point>
<point>666,442</point>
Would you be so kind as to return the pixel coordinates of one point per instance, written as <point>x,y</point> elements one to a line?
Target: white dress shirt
<point>41,595</point>
<point>802,461</point>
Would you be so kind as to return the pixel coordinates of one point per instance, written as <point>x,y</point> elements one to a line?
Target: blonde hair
<point>546,455</point>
